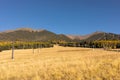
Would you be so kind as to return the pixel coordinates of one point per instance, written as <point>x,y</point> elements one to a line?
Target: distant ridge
<point>23,29</point>
<point>28,34</point>
<point>29,29</point>
<point>103,36</point>
<point>98,35</point>
<point>82,37</point>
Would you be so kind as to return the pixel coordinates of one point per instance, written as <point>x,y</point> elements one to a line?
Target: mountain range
<point>28,34</point>
<point>98,35</point>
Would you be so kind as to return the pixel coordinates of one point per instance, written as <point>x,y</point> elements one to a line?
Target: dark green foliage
<point>24,45</point>
<point>106,44</point>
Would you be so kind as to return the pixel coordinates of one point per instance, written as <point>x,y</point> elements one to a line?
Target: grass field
<point>60,63</point>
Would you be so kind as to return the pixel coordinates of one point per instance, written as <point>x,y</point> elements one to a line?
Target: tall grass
<point>60,63</point>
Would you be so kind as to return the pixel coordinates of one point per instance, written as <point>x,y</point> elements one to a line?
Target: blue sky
<point>61,16</point>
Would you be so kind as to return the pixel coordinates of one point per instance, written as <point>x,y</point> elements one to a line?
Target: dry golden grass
<point>60,63</point>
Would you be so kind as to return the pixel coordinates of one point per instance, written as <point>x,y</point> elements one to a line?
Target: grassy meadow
<point>60,63</point>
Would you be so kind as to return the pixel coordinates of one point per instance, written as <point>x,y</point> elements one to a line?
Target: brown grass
<point>60,63</point>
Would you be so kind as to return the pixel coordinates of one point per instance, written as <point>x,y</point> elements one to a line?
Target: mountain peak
<point>97,32</point>
<point>25,29</point>
<point>28,34</point>
<point>30,29</point>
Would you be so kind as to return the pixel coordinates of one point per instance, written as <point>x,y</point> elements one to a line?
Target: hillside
<point>82,37</point>
<point>95,36</point>
<point>103,36</point>
<point>27,34</point>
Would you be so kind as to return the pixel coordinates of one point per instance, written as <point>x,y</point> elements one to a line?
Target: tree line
<point>106,44</point>
<point>23,45</point>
